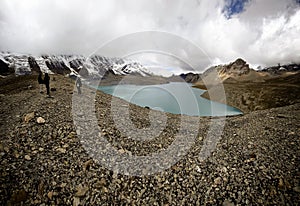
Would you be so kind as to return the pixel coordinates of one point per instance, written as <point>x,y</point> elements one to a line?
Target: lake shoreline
<point>171,97</point>
<point>249,96</point>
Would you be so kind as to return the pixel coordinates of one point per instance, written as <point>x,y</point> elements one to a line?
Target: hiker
<point>78,85</point>
<point>47,83</point>
<point>41,82</point>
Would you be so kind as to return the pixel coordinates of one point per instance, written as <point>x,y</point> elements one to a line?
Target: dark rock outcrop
<point>108,74</point>
<point>57,66</point>
<point>4,68</point>
<point>35,68</point>
<point>76,64</point>
<point>190,77</point>
<point>83,71</point>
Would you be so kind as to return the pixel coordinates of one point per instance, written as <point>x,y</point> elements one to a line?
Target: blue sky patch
<point>233,7</point>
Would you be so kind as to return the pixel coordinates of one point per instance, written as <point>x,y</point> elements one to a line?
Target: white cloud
<point>265,33</point>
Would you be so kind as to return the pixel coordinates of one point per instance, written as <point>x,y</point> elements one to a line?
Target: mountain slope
<point>251,90</point>
<point>238,71</point>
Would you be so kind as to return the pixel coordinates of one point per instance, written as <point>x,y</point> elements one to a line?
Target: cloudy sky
<point>169,34</point>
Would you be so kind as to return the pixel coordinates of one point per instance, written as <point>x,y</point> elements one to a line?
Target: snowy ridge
<point>42,64</point>
<point>94,67</point>
<point>18,62</point>
<point>130,67</point>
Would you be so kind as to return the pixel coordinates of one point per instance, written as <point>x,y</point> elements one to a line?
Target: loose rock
<point>81,191</point>
<point>27,157</point>
<point>28,117</point>
<point>40,120</point>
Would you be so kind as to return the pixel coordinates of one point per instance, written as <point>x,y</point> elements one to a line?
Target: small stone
<point>218,180</point>
<point>76,201</point>
<point>41,188</point>
<point>17,155</point>
<point>65,145</point>
<point>115,175</point>
<point>250,160</point>
<point>87,164</point>
<point>104,190</point>
<point>122,151</point>
<point>28,117</point>
<point>40,120</point>
<point>80,114</point>
<point>81,191</point>
<point>198,169</point>
<point>282,116</point>
<point>27,157</point>
<point>281,183</point>
<point>224,169</point>
<point>50,195</point>
<point>100,183</point>
<point>297,189</point>
<point>72,135</point>
<point>6,149</point>
<point>18,197</point>
<point>62,150</point>
<point>228,203</point>
<point>273,191</point>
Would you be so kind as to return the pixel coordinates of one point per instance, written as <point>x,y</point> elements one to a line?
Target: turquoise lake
<point>176,98</point>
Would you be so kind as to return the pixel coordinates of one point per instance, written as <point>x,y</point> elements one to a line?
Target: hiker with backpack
<point>41,82</point>
<point>78,85</point>
<point>47,83</point>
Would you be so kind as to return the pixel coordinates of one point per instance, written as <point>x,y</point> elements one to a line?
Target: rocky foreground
<point>44,161</point>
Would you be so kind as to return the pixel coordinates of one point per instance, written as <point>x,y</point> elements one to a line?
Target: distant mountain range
<point>239,71</point>
<point>93,67</point>
<point>97,66</point>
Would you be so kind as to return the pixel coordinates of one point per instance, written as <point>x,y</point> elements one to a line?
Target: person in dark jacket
<point>41,82</point>
<point>47,83</point>
<point>78,85</point>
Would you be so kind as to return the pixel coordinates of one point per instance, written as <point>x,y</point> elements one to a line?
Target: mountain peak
<point>238,67</point>
<point>239,61</point>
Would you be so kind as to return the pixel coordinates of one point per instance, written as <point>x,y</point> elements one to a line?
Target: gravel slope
<point>255,162</point>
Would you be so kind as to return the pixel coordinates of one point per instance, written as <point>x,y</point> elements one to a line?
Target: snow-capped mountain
<point>95,66</point>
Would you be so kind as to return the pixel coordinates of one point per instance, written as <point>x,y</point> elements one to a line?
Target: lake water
<point>176,98</point>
